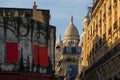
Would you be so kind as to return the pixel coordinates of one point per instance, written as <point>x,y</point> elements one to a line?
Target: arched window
<point>68,42</point>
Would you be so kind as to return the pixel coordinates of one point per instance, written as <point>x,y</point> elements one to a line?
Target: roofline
<point>23,8</point>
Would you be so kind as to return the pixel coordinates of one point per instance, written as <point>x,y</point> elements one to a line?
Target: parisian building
<point>67,53</point>
<point>27,42</point>
<point>100,56</point>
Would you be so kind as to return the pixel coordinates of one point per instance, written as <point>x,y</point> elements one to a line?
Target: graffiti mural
<point>26,45</point>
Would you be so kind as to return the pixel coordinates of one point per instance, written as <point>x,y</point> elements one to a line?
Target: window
<point>115,25</point>
<point>115,17</point>
<point>115,1</point>
<point>69,49</point>
<point>110,7</point>
<point>91,31</point>
<point>110,31</point>
<point>68,42</point>
<point>104,33</point>
<point>104,8</point>
<point>97,20</point>
<point>93,27</point>
<point>104,36</point>
<point>100,18</point>
<point>110,22</point>
<point>104,15</point>
<point>104,28</point>
<point>88,34</point>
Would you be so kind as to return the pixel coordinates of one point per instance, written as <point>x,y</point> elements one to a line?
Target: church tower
<point>34,5</point>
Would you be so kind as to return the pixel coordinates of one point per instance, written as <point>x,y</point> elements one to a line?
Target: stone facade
<point>101,42</point>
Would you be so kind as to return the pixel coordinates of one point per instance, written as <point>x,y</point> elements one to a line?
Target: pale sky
<point>60,11</point>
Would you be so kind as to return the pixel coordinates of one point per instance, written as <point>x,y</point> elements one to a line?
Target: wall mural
<point>24,44</point>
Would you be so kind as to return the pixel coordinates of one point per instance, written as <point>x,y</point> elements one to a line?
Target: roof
<point>24,8</point>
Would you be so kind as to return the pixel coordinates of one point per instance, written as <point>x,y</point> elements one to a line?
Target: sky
<point>60,11</point>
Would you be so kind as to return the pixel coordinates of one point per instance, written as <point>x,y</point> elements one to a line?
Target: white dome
<point>71,32</point>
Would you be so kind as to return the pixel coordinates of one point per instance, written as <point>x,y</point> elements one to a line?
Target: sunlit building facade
<point>100,55</point>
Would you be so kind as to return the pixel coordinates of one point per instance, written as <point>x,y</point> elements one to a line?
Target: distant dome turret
<point>59,42</point>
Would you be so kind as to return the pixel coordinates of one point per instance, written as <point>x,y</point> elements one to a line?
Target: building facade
<point>67,53</point>
<point>27,41</point>
<point>100,55</point>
